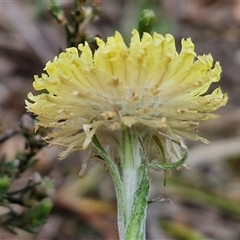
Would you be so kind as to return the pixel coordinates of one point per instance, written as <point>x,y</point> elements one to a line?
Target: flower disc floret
<point>147,83</point>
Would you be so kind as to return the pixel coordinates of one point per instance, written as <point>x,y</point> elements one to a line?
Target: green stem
<point>132,185</point>
<point>130,164</point>
<point>136,187</point>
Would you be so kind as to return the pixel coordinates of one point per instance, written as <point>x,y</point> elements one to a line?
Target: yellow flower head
<point>146,85</point>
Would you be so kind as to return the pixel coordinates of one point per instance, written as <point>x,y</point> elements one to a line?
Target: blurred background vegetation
<point>204,198</point>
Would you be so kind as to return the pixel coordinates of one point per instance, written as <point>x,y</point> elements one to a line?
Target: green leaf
<point>139,210</point>
<point>169,165</point>
<point>39,213</point>
<point>4,184</point>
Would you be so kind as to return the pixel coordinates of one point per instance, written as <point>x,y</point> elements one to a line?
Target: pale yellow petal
<point>145,84</point>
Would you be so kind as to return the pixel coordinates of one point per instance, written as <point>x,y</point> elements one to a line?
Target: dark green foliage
<point>26,207</point>
<point>80,18</point>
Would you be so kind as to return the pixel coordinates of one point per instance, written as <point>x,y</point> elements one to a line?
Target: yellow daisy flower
<point>146,85</point>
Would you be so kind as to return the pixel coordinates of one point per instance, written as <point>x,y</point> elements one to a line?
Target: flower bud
<point>146,21</point>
